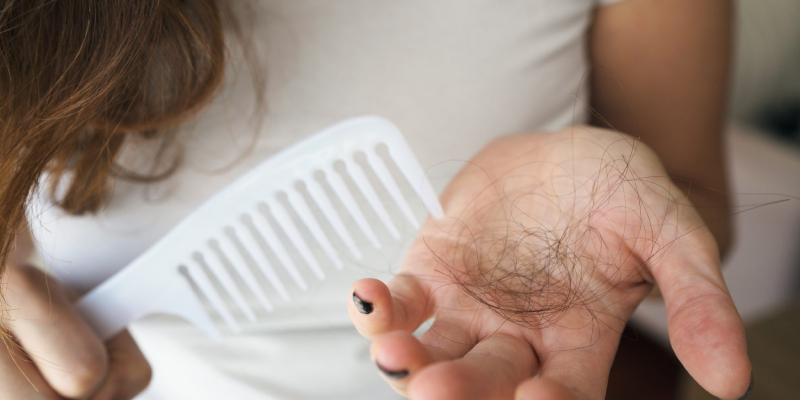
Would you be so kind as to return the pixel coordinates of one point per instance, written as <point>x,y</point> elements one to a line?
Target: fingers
<point>129,372</point>
<point>705,329</point>
<point>63,352</point>
<point>399,355</point>
<point>491,370</point>
<point>376,308</point>
<point>577,355</point>
<point>69,356</point>
<point>541,388</point>
<point>440,366</point>
<point>575,373</point>
<point>19,378</point>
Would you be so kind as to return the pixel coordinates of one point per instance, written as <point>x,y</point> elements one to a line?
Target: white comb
<point>157,282</point>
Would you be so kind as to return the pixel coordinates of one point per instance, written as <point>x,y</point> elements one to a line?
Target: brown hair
<point>78,78</point>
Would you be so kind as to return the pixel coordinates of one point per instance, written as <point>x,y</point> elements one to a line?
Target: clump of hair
<point>531,246</point>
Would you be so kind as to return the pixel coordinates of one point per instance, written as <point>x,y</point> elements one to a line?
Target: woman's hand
<point>550,242</point>
<point>53,354</point>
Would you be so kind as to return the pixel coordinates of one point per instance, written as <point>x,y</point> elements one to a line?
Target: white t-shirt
<point>451,74</point>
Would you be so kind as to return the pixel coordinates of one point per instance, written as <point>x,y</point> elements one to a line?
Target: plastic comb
<point>225,230</point>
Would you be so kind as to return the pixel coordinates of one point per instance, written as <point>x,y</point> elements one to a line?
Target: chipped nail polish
<point>362,306</point>
<point>392,374</point>
<point>749,389</point>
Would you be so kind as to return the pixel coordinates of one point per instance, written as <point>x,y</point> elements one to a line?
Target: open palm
<point>550,242</point>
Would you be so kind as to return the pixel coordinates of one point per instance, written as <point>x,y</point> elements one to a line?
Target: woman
<point>85,85</point>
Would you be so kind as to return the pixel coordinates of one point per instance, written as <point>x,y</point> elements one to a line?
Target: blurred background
<point>763,271</point>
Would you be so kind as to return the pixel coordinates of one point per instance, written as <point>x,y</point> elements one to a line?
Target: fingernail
<point>362,306</point>
<point>749,389</point>
<point>392,374</point>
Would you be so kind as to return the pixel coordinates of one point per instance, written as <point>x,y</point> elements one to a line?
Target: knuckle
<point>129,373</point>
<point>81,381</point>
<point>131,378</point>
<point>131,370</point>
<point>139,376</point>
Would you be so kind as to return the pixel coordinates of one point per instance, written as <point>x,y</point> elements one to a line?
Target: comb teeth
<point>206,287</point>
<point>319,197</point>
<point>339,187</point>
<point>305,213</point>
<point>227,248</point>
<point>251,249</point>
<point>288,227</point>
<point>238,231</point>
<point>388,182</point>
<point>277,247</point>
<point>264,230</point>
<point>217,270</point>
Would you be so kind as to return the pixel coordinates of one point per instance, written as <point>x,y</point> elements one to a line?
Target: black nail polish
<point>392,374</point>
<point>749,389</point>
<point>362,306</point>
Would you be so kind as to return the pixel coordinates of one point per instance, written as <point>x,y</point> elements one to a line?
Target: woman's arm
<point>660,72</point>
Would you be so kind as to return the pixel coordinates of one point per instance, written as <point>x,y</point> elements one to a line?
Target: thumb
<point>705,329</point>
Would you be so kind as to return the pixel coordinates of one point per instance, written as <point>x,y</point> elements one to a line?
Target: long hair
<point>78,78</point>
